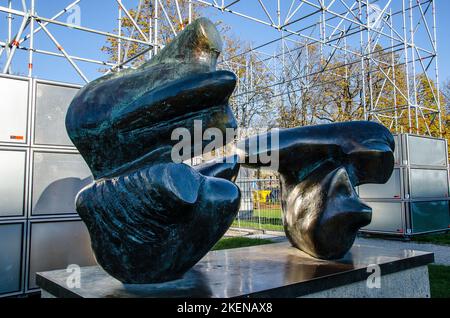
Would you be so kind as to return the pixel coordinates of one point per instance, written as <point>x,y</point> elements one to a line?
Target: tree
<point>427,97</point>
<point>249,106</point>
<point>389,90</point>
<point>144,16</point>
<point>252,100</point>
<point>299,103</point>
<point>341,91</point>
<point>446,93</point>
<point>309,90</point>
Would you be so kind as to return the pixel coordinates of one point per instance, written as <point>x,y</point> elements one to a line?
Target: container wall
<point>41,173</point>
<point>390,190</point>
<point>428,184</point>
<point>57,179</point>
<point>427,151</point>
<point>52,102</point>
<point>387,217</point>
<point>398,149</point>
<point>56,245</point>
<point>13,110</point>
<point>11,252</point>
<point>430,216</point>
<point>13,182</point>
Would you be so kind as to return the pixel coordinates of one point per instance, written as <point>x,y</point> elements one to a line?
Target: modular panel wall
<point>40,178</point>
<point>397,151</point>
<point>429,216</point>
<point>52,102</point>
<point>428,184</point>
<point>424,184</point>
<point>11,252</point>
<point>390,190</point>
<point>57,179</point>
<point>56,245</point>
<point>12,182</point>
<point>427,151</point>
<point>387,217</point>
<point>13,110</point>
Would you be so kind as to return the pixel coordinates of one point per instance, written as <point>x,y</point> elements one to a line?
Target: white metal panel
<point>397,151</point>
<point>427,151</point>
<point>13,110</point>
<point>56,245</point>
<point>387,217</point>
<point>11,244</point>
<point>57,179</point>
<point>52,102</point>
<point>12,182</point>
<point>429,184</point>
<point>390,190</point>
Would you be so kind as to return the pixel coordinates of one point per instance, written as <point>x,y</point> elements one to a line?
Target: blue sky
<point>102,14</point>
<point>443,22</point>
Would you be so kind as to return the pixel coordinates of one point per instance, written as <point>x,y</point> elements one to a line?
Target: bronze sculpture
<point>319,166</point>
<point>151,220</point>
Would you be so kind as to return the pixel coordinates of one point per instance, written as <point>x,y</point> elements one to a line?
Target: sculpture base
<point>276,270</point>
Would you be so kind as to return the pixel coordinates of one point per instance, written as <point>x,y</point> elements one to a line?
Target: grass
<point>268,213</point>
<point>255,225</point>
<point>271,220</point>
<point>439,239</point>
<point>439,281</point>
<point>236,242</point>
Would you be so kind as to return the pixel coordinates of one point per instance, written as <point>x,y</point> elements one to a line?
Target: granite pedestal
<point>275,270</point>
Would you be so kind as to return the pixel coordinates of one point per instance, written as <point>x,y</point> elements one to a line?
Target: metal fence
<point>260,205</point>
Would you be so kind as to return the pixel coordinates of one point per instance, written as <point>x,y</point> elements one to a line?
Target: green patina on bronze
<point>134,112</point>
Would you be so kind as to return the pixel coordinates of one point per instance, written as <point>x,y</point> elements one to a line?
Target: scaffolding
<point>384,51</point>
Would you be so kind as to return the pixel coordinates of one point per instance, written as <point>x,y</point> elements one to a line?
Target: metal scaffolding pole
<point>377,39</point>
<point>119,41</point>
<point>436,70</point>
<point>8,50</point>
<point>30,52</point>
<point>63,51</point>
<point>15,43</point>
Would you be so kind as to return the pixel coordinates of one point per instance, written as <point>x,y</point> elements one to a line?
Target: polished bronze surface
<point>319,167</point>
<point>275,270</point>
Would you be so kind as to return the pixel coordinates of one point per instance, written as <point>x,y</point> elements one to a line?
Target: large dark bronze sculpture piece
<point>150,220</point>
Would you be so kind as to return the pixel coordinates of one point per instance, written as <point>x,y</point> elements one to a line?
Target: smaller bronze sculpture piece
<point>319,167</point>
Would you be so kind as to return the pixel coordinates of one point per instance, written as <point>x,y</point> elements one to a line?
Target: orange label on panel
<point>17,137</point>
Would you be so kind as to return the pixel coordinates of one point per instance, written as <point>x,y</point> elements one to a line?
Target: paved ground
<point>441,253</point>
<point>274,238</point>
